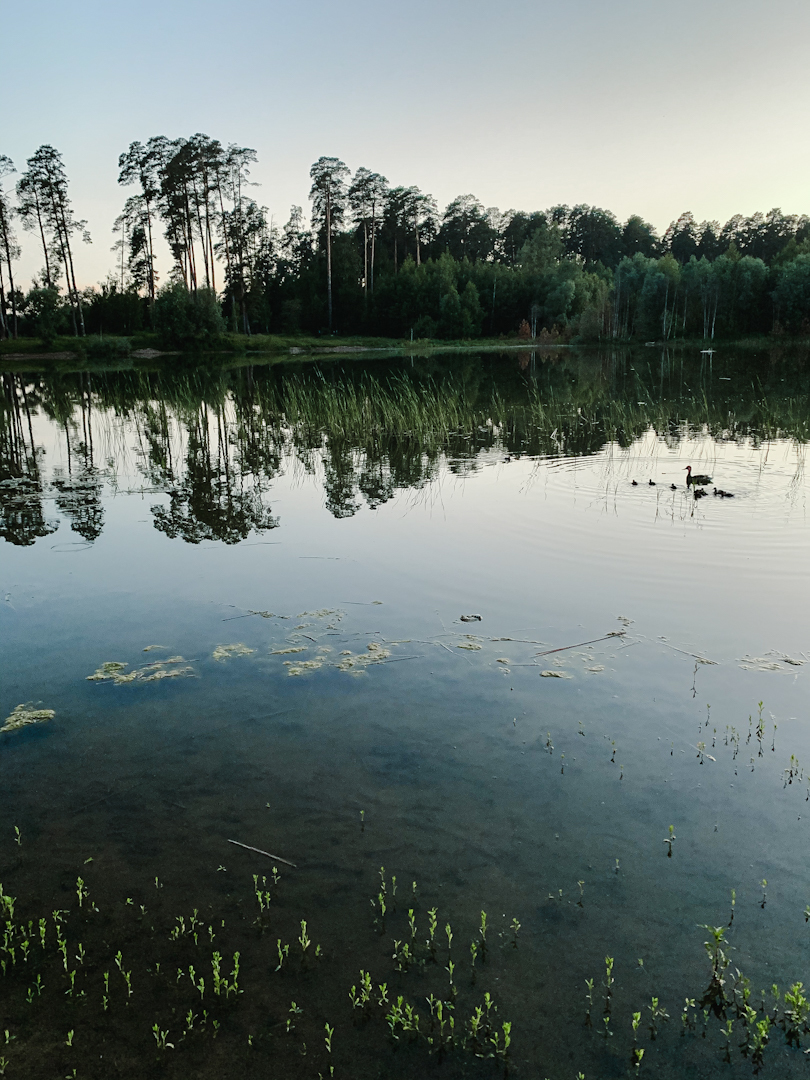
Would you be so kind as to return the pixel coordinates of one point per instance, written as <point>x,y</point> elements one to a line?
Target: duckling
<point>673,487</point>
<point>651,483</point>
<point>634,483</point>
<point>699,493</point>
<point>723,494</point>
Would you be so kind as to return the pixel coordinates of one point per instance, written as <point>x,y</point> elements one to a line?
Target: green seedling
<point>402,956</point>
<point>81,891</point>
<point>294,1012</point>
<point>449,933</point>
<point>304,940</point>
<point>330,1031</point>
<point>670,840</point>
<point>589,998</point>
<point>69,1039</point>
<point>764,886</point>
<point>432,921</point>
<point>362,821</point>
<point>581,885</point>
<point>638,1057</point>
<point>17,836</point>
<point>412,923</point>
<point>609,981</point>
<point>482,931</point>
<point>473,957</point>
<point>161,1038</point>
<point>689,1003</point>
<point>636,1022</point>
<point>283,953</point>
<point>657,1012</point>
<point>514,927</point>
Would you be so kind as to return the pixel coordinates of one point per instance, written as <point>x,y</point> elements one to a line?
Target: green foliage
<point>183,317</point>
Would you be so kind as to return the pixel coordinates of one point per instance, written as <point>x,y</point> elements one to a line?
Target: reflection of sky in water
<point>447,748</point>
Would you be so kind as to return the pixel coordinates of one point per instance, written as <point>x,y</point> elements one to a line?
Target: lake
<point>453,620</point>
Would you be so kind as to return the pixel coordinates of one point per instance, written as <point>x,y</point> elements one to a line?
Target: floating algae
<point>356,664</point>
<point>108,670</point>
<point>284,652</point>
<point>471,645</point>
<point>596,667</point>
<point>151,648</point>
<point>222,652</point>
<point>555,675</point>
<point>502,660</point>
<point>772,661</point>
<point>322,613</point>
<point>301,667</point>
<point>115,672</point>
<point>23,715</point>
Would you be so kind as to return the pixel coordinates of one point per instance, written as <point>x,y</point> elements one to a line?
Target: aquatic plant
<point>22,716</point>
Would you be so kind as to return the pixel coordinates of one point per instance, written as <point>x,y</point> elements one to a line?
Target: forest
<point>195,256</point>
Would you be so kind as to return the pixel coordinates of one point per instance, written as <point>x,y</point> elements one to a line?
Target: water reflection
<point>213,438</point>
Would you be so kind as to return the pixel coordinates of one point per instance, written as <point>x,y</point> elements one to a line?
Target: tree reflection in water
<point>214,438</point>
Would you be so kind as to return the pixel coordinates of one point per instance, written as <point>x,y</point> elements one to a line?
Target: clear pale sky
<point>638,106</point>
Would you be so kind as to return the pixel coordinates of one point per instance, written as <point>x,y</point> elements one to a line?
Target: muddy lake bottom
<point>249,628</point>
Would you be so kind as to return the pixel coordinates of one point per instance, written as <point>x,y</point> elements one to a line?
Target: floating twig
<point>249,847</point>
<point>579,644</point>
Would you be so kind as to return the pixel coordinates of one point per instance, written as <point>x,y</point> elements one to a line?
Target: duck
<point>652,483</point>
<point>723,494</point>
<point>673,487</point>
<point>699,493</point>
<point>634,483</point>
<point>698,478</point>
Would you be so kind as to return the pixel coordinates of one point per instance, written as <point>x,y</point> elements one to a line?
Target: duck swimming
<point>723,494</point>
<point>698,478</point>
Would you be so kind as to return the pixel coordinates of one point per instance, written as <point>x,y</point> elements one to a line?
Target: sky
<point>646,107</point>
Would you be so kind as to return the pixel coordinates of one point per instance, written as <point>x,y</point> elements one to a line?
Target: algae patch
<point>285,652</point>
<point>23,715</point>
<point>114,671</point>
<point>222,652</point>
<point>351,663</point>
<point>555,675</point>
<point>356,664</point>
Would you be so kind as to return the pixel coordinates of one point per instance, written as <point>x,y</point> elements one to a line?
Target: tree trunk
<point>373,238</point>
<point>151,257</point>
<point>329,255</point>
<point>3,318</point>
<point>365,260</point>
<point>7,246</point>
<point>48,281</point>
<point>418,254</point>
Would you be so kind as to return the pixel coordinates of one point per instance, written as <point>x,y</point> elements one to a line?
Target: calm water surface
<point>333,558</point>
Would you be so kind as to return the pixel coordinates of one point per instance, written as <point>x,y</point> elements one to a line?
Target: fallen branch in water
<point>579,644</point>
<point>249,847</point>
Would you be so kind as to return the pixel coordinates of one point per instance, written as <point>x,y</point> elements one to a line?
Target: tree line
<point>382,260</point>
